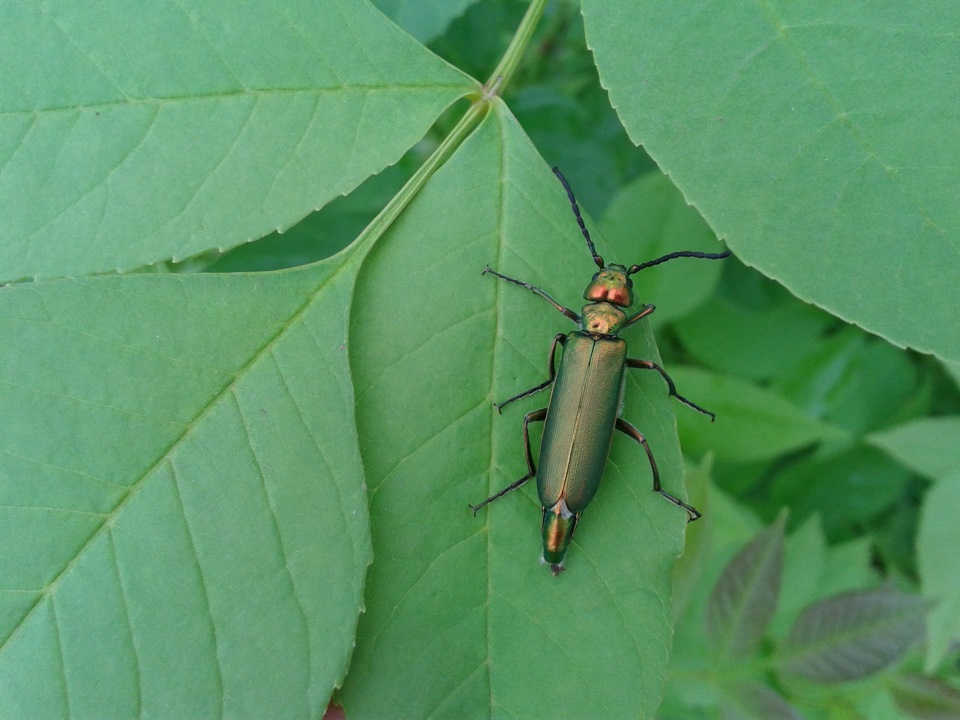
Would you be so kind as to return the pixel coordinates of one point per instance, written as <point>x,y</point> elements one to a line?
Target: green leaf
<point>756,343</point>
<point>849,566</point>
<point>853,380</point>
<point>459,607</point>
<point>424,19</point>
<point>752,423</point>
<point>688,572</point>
<point>812,137</point>
<point>323,233</point>
<point>744,598</point>
<point>938,562</point>
<point>713,541</point>
<point>926,698</point>
<point>753,701</point>
<point>651,216</point>
<point>135,134</point>
<point>953,369</point>
<point>844,489</point>
<point>928,446</point>
<point>804,558</point>
<point>851,636</point>
<point>183,520</point>
<point>725,528</point>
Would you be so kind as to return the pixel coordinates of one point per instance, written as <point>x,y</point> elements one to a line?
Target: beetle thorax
<point>601,318</point>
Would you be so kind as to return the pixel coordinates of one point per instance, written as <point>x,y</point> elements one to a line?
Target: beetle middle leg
<point>535,416</point>
<point>559,339</point>
<point>628,429</point>
<point>671,387</point>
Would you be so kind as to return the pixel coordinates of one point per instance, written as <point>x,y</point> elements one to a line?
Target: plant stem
<point>392,210</point>
<point>511,58</point>
<point>474,115</point>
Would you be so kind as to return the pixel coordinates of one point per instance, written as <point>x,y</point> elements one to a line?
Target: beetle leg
<point>535,416</point>
<point>536,291</point>
<point>625,427</point>
<point>561,339</point>
<point>637,316</point>
<point>647,365</point>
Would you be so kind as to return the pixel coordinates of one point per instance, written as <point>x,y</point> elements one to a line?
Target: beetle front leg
<point>561,339</point>
<point>536,291</point>
<point>535,416</point>
<point>628,429</point>
<point>637,316</point>
<point>647,365</point>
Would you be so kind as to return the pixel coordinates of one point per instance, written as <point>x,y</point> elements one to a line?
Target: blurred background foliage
<point>813,414</point>
<point>748,327</point>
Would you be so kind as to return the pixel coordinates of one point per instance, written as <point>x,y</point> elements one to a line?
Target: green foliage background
<point>248,360</point>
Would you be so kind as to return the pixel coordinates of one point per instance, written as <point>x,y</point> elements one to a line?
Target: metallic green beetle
<point>586,399</point>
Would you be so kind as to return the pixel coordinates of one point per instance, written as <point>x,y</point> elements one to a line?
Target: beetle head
<point>613,285</point>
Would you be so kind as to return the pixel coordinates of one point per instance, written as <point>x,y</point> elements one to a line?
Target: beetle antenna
<point>671,256</point>
<point>576,211</point>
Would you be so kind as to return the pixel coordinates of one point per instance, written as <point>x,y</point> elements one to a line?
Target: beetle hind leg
<point>535,416</point>
<point>498,495</point>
